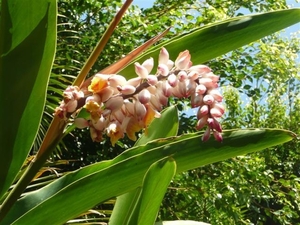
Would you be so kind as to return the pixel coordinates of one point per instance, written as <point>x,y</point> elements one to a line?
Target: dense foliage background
<point>260,83</point>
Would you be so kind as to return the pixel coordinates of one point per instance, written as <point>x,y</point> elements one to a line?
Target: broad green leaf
<point>80,190</point>
<point>210,41</point>
<point>27,47</point>
<point>165,126</point>
<point>155,184</point>
<point>181,222</point>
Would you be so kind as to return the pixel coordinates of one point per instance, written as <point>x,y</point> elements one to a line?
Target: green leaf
<point>82,189</point>
<point>181,222</point>
<point>155,184</point>
<point>165,126</point>
<point>27,47</point>
<point>213,40</point>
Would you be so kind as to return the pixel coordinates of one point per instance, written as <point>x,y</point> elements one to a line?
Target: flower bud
<point>129,107</point>
<point>100,124</point>
<point>216,95</point>
<point>115,132</point>
<point>127,89</point>
<point>214,124</point>
<point>144,96</point>
<point>155,102</point>
<point>148,64</point>
<point>182,87</point>
<point>166,88</point>
<point>134,81</point>
<point>116,80</point>
<point>152,89</point>
<point>183,60</point>
<point>218,136</point>
<point>208,100</point>
<point>217,126</point>
<point>193,75</point>
<point>77,94</point>
<point>170,64</point>
<point>152,79</point>
<point>219,106</point>
<point>196,100</point>
<point>212,76</point>
<point>200,89</point>
<point>172,79</point>
<point>163,57</point>
<point>182,76</point>
<point>140,110</point>
<point>208,83</point>
<point>71,106</point>
<point>114,103</point>
<point>141,71</point>
<point>163,99</point>
<point>202,111</point>
<point>190,87</point>
<point>206,135</point>
<point>214,112</point>
<point>201,122</point>
<point>119,116</point>
<point>106,93</point>
<point>163,69</point>
<point>200,69</point>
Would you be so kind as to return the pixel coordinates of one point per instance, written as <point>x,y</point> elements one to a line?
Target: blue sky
<point>143,3</point>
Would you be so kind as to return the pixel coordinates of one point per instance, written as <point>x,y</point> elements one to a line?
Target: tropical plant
<point>27,47</point>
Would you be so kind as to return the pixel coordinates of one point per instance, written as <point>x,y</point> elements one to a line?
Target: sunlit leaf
<point>210,41</point>
<point>181,222</point>
<point>75,193</point>
<point>155,184</point>
<point>165,126</point>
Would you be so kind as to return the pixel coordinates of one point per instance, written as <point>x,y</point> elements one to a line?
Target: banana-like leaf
<point>155,184</point>
<point>27,47</point>
<point>80,190</point>
<point>213,40</point>
<point>169,122</point>
<point>181,222</point>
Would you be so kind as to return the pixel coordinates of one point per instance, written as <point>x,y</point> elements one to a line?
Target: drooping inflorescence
<point>117,106</point>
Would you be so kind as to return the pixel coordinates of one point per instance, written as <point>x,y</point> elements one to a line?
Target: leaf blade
<point>27,47</point>
<point>155,184</point>
<point>169,120</point>
<point>210,41</point>
<point>126,172</point>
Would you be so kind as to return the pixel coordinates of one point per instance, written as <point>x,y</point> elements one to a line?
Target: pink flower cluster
<point>118,106</point>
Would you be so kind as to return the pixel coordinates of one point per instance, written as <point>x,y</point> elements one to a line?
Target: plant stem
<point>101,44</point>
